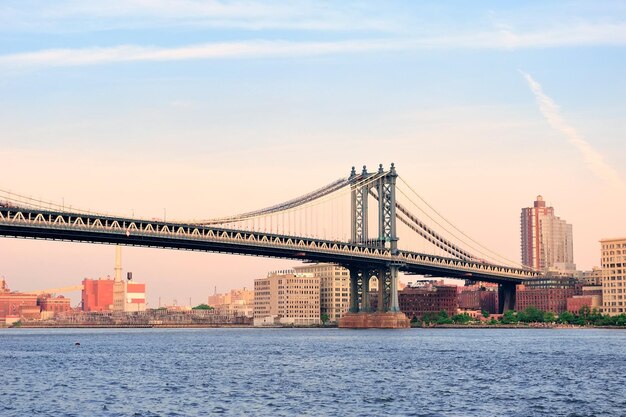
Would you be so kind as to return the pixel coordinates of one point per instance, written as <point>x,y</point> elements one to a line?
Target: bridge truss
<point>291,230</point>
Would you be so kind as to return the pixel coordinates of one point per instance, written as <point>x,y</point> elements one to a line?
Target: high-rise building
<point>547,240</point>
<point>613,253</point>
<point>334,288</point>
<point>285,297</point>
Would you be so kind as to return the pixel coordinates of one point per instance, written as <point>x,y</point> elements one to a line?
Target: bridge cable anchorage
<point>495,256</point>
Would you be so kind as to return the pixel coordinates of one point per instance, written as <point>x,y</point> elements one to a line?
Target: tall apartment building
<point>334,288</point>
<point>613,253</point>
<point>287,297</point>
<point>547,240</point>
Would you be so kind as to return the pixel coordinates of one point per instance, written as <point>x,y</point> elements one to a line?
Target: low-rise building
<point>547,293</point>
<point>235,303</point>
<point>430,297</point>
<point>285,297</point>
<point>481,297</point>
<point>15,305</point>
<point>58,304</point>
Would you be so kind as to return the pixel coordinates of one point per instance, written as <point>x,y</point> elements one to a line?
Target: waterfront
<point>317,372</point>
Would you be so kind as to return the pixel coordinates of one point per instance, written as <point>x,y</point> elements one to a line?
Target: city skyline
<point>483,108</point>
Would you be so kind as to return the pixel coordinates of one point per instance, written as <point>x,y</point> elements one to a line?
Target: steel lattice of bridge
<point>293,230</point>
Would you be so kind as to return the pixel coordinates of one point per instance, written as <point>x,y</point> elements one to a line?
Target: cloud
<point>593,159</point>
<point>133,53</point>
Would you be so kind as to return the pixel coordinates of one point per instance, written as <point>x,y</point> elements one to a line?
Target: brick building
<point>97,294</point>
<point>547,294</point>
<point>479,297</point>
<point>53,304</point>
<point>428,297</point>
<point>15,305</point>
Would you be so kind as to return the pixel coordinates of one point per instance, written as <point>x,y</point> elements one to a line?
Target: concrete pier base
<point>377,320</point>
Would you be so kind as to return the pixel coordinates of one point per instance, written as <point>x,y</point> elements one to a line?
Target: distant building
<point>52,304</point>
<point>428,297</point>
<point>235,303</point>
<point>547,240</point>
<point>547,294</point>
<point>479,297</point>
<point>591,297</point>
<point>613,253</point>
<point>334,288</point>
<point>97,294</point>
<point>15,306</point>
<point>284,297</point>
<point>593,277</point>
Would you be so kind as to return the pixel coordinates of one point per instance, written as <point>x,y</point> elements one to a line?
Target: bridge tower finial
<point>364,172</point>
<point>380,168</point>
<point>353,173</point>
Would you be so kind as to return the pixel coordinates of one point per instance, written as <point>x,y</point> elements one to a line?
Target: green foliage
<point>17,324</point>
<point>493,321</point>
<point>485,313</point>
<point>509,317</point>
<point>324,318</point>
<point>202,307</point>
<point>549,317</point>
<point>462,318</point>
<point>443,318</point>
<point>566,318</point>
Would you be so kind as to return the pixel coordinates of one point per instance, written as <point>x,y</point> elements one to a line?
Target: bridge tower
<point>382,186</point>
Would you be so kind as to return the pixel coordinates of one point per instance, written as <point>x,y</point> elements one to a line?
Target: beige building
<point>593,277</point>
<point>334,288</point>
<point>287,297</point>
<point>613,276</point>
<point>235,303</point>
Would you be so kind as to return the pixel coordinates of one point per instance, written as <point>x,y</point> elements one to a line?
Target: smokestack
<point>118,263</point>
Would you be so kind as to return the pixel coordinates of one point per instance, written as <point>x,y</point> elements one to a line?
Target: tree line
<point>584,317</point>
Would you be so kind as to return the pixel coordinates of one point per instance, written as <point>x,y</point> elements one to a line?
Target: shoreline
<point>243,326</point>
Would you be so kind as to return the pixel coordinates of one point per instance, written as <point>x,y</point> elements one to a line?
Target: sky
<point>199,109</point>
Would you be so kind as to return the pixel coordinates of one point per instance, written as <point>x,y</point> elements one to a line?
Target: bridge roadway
<point>91,228</point>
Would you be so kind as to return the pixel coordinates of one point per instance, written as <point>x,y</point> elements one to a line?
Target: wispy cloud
<point>502,39</point>
<point>79,15</point>
<point>594,159</point>
<point>133,53</point>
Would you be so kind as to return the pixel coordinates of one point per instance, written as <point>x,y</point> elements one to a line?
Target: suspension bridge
<point>331,224</point>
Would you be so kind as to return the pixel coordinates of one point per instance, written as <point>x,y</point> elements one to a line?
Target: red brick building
<point>547,294</point>
<point>97,294</point>
<point>14,304</point>
<point>478,298</point>
<point>55,304</point>
<point>431,297</point>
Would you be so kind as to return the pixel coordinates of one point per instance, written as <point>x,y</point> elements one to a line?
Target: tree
<point>485,314</point>
<point>202,307</point>
<point>463,318</point>
<point>566,317</point>
<point>549,317</point>
<point>443,318</point>
<point>493,321</point>
<point>509,317</point>
<point>324,318</point>
<point>533,315</point>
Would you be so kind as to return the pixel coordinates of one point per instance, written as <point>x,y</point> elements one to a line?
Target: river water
<point>312,372</point>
